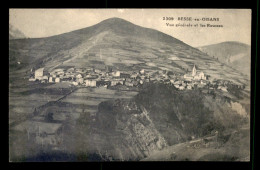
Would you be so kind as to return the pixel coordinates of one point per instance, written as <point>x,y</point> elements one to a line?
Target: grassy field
<point>94,96</point>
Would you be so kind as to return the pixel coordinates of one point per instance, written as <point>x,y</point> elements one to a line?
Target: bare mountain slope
<point>234,54</point>
<point>117,43</point>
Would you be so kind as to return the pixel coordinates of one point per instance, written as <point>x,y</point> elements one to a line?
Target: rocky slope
<point>142,127</point>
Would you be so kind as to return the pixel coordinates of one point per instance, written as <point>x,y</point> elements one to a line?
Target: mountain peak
<point>123,27</point>
<point>114,20</point>
<point>118,23</point>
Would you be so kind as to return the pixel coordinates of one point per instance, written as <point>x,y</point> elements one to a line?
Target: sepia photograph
<point>98,85</point>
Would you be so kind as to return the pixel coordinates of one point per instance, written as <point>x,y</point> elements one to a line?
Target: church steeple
<point>194,71</point>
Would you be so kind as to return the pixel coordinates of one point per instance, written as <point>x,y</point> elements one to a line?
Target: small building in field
<point>113,83</point>
<point>80,80</point>
<point>70,70</point>
<point>91,83</point>
<point>50,79</point>
<point>97,71</point>
<point>38,73</point>
<point>75,83</point>
<point>57,80</point>
<point>181,87</point>
<point>117,82</point>
<point>79,76</point>
<point>45,78</point>
<point>223,88</point>
<point>116,74</point>
<point>134,76</point>
<point>129,84</point>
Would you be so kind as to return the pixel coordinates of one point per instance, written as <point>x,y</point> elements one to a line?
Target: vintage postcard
<point>129,85</point>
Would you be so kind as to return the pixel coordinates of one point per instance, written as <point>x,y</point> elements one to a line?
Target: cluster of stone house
<point>190,80</point>
<point>95,78</point>
<point>91,77</point>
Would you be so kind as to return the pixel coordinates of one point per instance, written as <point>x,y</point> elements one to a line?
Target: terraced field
<point>22,102</point>
<point>89,98</point>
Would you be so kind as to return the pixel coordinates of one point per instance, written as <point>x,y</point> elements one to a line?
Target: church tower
<point>194,71</point>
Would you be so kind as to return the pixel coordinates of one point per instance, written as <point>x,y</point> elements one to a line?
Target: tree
<point>49,117</point>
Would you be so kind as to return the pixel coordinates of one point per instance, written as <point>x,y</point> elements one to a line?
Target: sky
<point>35,23</point>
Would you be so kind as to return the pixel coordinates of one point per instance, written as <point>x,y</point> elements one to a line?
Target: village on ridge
<point>96,78</point>
<point>49,133</point>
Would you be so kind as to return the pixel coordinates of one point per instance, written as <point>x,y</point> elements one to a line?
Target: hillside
<point>117,43</point>
<point>235,54</point>
<point>145,125</point>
